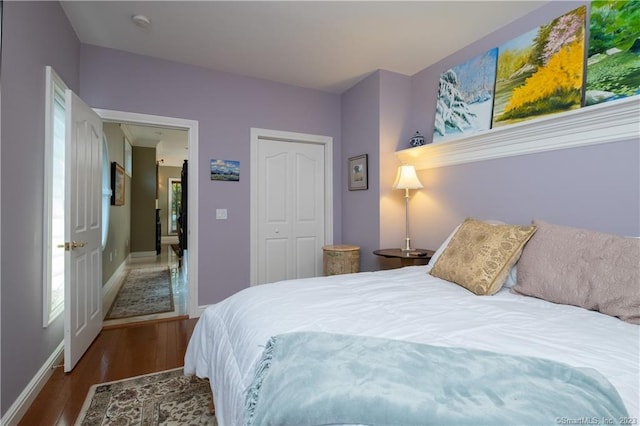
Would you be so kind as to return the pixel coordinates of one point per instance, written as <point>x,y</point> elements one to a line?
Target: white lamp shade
<point>407,178</point>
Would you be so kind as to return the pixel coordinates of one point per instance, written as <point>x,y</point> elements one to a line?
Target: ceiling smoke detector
<point>141,21</point>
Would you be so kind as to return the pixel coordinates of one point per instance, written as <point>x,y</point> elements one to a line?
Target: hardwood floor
<point>117,353</point>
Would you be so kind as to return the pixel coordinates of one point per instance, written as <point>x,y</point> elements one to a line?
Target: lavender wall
<point>361,135</point>
<point>596,187</point>
<point>226,107</point>
<point>35,34</point>
<point>395,108</point>
<point>374,114</point>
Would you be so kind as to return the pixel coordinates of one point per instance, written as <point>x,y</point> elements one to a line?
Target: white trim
<point>127,133</point>
<point>53,83</point>
<point>256,135</point>
<point>201,310</point>
<point>31,391</point>
<point>191,264</point>
<point>603,123</point>
<point>112,286</point>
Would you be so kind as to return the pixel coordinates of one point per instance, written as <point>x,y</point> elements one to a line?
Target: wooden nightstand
<point>407,258</point>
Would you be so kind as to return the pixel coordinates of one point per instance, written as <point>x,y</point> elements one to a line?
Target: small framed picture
<point>225,170</point>
<point>358,173</point>
<point>117,184</point>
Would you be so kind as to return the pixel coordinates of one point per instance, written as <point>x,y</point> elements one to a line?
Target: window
<point>106,191</point>
<point>127,158</point>
<point>175,198</point>
<point>54,185</point>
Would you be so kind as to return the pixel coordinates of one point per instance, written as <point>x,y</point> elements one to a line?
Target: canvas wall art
<point>613,64</point>
<point>542,71</point>
<point>465,98</point>
<point>225,170</point>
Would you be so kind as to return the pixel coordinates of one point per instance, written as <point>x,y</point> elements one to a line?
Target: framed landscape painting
<point>225,170</point>
<point>613,64</point>
<point>465,97</point>
<point>541,72</point>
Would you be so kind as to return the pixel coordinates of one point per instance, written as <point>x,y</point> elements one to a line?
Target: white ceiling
<point>325,45</point>
<point>172,145</point>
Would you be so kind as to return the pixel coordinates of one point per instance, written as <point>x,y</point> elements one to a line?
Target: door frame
<point>191,126</point>
<point>258,134</point>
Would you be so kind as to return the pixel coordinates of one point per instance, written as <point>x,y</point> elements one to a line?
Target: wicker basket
<point>341,259</point>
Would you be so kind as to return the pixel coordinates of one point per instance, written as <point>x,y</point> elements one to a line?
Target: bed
<point>412,305</point>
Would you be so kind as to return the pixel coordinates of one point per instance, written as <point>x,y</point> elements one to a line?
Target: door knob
<point>72,245</point>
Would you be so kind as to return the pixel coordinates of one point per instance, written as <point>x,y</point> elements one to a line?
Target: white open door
<point>83,260</point>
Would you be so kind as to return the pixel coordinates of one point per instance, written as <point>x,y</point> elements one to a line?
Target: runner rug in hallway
<point>165,398</point>
<point>145,291</point>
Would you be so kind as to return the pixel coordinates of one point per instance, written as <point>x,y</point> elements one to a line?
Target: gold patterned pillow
<point>479,255</point>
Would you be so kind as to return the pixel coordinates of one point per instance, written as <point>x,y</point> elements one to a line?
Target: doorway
<point>291,204</point>
<point>189,261</point>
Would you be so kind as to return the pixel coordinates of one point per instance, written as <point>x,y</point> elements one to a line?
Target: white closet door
<point>291,210</point>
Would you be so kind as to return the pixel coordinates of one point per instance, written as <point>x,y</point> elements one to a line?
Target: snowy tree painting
<point>465,98</point>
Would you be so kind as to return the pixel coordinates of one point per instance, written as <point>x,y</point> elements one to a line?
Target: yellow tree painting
<point>542,71</point>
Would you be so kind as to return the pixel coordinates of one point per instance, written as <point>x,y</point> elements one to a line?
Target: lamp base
<point>407,245</point>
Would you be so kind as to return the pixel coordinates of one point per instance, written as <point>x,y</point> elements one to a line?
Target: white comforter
<point>406,304</point>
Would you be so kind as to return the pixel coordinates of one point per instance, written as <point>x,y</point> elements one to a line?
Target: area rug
<point>145,291</point>
<point>164,398</point>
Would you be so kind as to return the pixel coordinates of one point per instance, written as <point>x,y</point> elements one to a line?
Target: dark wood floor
<point>117,353</point>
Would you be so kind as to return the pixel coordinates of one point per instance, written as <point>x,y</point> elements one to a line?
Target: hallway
<point>178,282</point>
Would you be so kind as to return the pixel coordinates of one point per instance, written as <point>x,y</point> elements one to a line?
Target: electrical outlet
<point>221,214</point>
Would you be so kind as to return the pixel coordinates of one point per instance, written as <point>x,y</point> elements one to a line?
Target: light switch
<point>221,213</point>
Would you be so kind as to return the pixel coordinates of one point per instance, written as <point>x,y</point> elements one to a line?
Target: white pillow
<point>512,277</point>
<point>513,272</point>
<point>443,246</point>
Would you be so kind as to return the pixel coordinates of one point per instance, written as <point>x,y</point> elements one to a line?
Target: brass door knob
<point>72,245</point>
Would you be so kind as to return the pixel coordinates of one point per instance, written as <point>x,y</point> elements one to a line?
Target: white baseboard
<point>29,394</point>
<point>143,254</point>
<point>110,289</point>
<point>198,311</point>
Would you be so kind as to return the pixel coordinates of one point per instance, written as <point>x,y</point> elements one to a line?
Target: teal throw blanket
<point>309,378</point>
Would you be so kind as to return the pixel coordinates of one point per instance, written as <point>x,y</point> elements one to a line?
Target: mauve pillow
<point>572,266</point>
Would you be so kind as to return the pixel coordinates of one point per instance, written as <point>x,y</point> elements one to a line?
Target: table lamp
<point>407,179</point>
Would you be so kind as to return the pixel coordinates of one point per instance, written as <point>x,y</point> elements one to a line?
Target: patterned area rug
<point>165,398</point>
<point>144,292</point>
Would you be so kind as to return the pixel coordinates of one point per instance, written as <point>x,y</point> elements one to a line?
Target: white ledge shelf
<point>603,123</point>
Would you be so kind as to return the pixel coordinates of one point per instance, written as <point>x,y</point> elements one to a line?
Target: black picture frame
<point>118,184</point>
<point>359,172</point>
